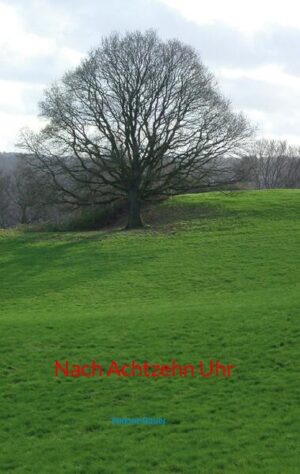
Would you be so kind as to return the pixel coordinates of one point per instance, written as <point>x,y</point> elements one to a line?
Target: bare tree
<point>292,175</point>
<point>270,164</point>
<point>32,192</point>
<point>139,118</point>
<point>5,199</point>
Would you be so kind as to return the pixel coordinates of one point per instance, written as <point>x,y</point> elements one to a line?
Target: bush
<point>86,219</point>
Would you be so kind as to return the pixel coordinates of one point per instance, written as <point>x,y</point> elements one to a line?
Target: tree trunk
<point>23,219</point>
<point>134,211</point>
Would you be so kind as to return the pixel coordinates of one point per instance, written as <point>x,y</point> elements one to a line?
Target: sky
<point>252,47</point>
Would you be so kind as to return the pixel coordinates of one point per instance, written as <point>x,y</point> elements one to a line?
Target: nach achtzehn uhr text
<point>213,368</point>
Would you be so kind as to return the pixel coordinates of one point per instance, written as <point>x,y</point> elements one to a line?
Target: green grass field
<point>215,278</point>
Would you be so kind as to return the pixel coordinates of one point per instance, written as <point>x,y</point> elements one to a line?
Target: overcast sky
<point>253,48</point>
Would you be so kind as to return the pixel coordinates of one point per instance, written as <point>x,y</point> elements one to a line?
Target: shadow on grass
<point>38,264</point>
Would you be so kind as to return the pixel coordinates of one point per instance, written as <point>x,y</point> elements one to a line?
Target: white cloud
<point>242,15</point>
<point>270,73</point>
<point>13,95</point>
<point>10,95</point>
<point>14,39</point>
<point>16,42</point>
<point>70,56</point>
<point>12,124</point>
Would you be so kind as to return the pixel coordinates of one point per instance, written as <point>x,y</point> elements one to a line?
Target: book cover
<point>149,237</point>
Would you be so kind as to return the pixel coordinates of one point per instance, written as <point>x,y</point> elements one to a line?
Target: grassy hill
<point>215,278</point>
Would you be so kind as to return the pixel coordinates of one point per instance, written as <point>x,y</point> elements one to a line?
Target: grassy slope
<point>221,285</point>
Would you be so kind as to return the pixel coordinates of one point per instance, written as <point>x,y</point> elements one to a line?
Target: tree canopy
<point>139,118</point>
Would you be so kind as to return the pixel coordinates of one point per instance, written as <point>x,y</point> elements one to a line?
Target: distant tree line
<point>269,164</point>
<point>26,196</point>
